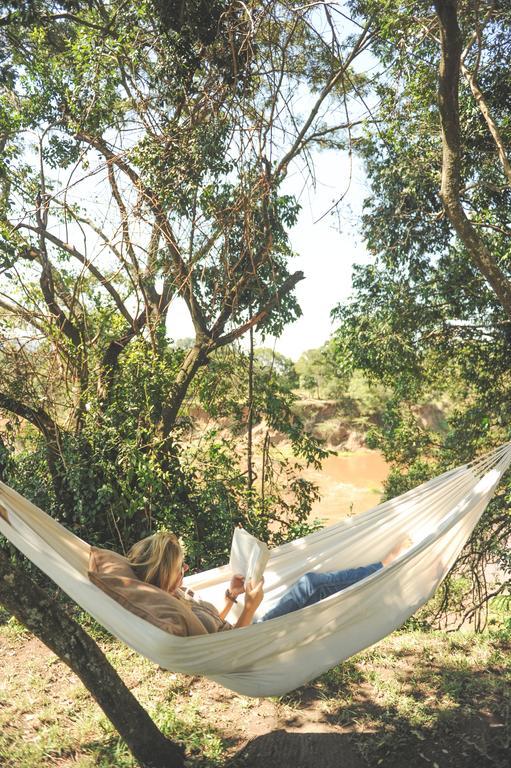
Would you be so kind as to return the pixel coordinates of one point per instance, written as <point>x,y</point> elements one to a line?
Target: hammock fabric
<point>277,656</point>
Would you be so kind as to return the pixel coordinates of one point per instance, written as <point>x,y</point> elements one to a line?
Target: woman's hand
<point>254,594</point>
<point>237,585</point>
<point>253,598</point>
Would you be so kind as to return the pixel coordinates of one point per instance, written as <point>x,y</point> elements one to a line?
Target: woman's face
<point>181,569</point>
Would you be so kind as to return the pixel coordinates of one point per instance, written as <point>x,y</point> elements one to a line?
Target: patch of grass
<point>447,696</point>
<point>344,679</point>
<point>415,688</point>
<point>14,630</point>
<point>43,743</point>
<point>107,752</point>
<point>184,723</point>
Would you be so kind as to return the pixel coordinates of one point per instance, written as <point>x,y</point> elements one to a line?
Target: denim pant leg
<point>313,587</point>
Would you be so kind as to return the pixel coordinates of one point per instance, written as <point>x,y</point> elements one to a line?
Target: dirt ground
<point>435,700</point>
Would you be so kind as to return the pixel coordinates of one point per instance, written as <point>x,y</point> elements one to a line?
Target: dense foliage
<point>144,148</point>
<point>422,320</point>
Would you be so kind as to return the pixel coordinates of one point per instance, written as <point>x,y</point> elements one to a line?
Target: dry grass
<point>432,698</point>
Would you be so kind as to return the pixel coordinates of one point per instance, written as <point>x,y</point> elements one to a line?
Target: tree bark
<point>448,102</point>
<point>196,357</point>
<point>250,417</point>
<point>49,622</point>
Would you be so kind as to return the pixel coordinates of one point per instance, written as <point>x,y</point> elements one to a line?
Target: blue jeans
<point>313,587</point>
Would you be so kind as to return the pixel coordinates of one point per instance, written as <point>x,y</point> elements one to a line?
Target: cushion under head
<point>113,574</point>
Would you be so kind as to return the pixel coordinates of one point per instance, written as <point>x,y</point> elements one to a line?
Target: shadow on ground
<point>298,750</point>
<point>473,747</point>
<point>432,713</point>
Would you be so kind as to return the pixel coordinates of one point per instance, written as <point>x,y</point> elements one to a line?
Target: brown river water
<point>349,483</point>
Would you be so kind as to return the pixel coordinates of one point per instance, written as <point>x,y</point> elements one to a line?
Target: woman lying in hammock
<point>158,559</point>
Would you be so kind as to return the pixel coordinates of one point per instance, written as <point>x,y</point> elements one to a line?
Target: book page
<point>248,555</point>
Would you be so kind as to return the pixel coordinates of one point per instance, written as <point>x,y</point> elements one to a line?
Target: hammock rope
<point>277,656</point>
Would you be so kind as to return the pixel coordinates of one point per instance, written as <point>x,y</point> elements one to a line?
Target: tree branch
<point>73,251</point>
<point>111,356</point>
<point>183,276</point>
<point>328,88</point>
<point>492,126</point>
<point>36,416</point>
<point>46,280</point>
<point>24,314</point>
<point>263,313</point>
<point>449,75</point>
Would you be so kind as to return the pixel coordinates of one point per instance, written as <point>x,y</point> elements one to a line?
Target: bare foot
<point>401,546</point>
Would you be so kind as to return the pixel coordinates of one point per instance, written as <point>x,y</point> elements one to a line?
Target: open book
<point>248,555</point>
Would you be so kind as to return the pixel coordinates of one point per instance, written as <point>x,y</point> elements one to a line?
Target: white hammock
<point>277,656</point>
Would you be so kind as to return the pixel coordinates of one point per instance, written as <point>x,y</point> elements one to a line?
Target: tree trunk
<point>196,357</point>
<point>448,102</point>
<point>48,621</point>
<point>250,417</point>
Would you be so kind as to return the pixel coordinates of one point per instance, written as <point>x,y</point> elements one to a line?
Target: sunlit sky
<point>327,247</point>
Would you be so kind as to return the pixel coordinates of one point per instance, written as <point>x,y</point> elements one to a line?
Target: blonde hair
<point>157,559</point>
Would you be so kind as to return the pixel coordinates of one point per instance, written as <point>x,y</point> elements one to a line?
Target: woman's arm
<point>236,587</point>
<point>253,598</point>
<point>227,607</point>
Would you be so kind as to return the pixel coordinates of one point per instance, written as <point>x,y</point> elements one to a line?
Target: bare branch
<point>328,88</point>
<point>36,416</point>
<point>263,313</point>
<point>19,311</point>
<point>183,276</point>
<point>73,251</point>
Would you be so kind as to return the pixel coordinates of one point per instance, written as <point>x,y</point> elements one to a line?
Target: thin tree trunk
<point>250,416</point>
<point>50,623</point>
<point>448,102</point>
<point>196,357</point>
<point>266,458</point>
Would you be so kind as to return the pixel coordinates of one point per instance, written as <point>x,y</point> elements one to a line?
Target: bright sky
<point>327,247</point>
